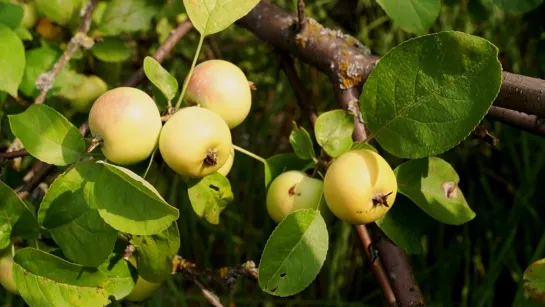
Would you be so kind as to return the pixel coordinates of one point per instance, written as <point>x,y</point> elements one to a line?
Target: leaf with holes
<point>518,6</point>
<point>281,163</point>
<point>534,281</point>
<point>333,131</point>
<point>154,253</point>
<point>294,253</point>
<point>210,195</point>
<point>414,16</point>
<point>48,135</point>
<point>301,143</point>
<point>428,94</point>
<point>16,219</point>
<point>432,184</point>
<point>160,77</point>
<point>74,224</point>
<point>213,16</point>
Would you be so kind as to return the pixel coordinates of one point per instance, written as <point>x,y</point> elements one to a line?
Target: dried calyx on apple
<point>360,187</point>
<point>223,88</point>
<point>127,123</point>
<point>292,191</point>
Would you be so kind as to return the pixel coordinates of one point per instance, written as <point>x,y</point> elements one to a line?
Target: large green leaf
<point>212,16</point>
<point>38,61</point>
<point>12,60</point>
<point>518,6</point>
<point>59,11</point>
<point>414,16</point>
<point>160,77</point>
<point>294,253</point>
<point>333,131</point>
<point>210,195</point>
<point>46,280</point>
<point>429,93</point>
<point>432,184</point>
<point>130,204</point>
<point>154,253</point>
<point>48,135</point>
<point>280,163</point>
<point>76,227</point>
<point>127,16</point>
<point>11,14</point>
<point>534,281</point>
<point>15,217</point>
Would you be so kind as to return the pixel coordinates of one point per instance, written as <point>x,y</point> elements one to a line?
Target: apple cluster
<point>359,187</point>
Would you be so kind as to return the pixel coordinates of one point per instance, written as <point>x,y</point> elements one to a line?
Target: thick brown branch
<point>80,39</point>
<point>521,93</point>
<point>530,123</point>
<point>162,52</point>
<point>13,154</point>
<point>301,15</point>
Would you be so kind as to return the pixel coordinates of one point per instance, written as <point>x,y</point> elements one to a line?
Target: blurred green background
<point>477,264</point>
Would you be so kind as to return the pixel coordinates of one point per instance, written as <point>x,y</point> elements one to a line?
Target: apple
<point>195,142</point>
<point>360,186</point>
<point>295,190</point>
<point>6,265</point>
<point>143,288</point>
<point>226,168</point>
<point>30,16</point>
<point>128,123</point>
<point>222,87</point>
<point>83,95</point>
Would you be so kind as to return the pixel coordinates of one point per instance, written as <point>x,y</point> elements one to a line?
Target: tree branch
<point>301,15</point>
<point>522,93</point>
<point>161,53</point>
<point>13,154</point>
<point>530,123</point>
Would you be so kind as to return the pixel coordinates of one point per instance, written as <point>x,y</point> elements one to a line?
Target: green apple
<point>86,92</point>
<point>292,191</point>
<point>6,265</point>
<point>222,87</point>
<point>30,16</point>
<point>128,123</point>
<point>195,142</point>
<point>360,186</point>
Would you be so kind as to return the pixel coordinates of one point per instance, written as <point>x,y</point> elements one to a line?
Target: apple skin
<point>129,123</point>
<point>88,91</point>
<point>353,180</point>
<point>226,168</point>
<point>143,288</point>
<point>222,87</point>
<point>189,136</point>
<point>30,16</point>
<point>295,190</point>
<point>6,275</point>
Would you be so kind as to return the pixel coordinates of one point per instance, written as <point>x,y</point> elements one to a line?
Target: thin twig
<point>162,52</point>
<point>301,15</point>
<point>13,154</point>
<point>80,39</point>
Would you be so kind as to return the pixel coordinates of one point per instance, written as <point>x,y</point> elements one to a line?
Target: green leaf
<point>278,164</point>
<point>59,11</point>
<point>212,16</point>
<point>154,253</point>
<point>414,16</point>
<point>16,219</point>
<point>333,131</point>
<point>75,226</point>
<point>302,143</point>
<point>160,77</point>
<point>429,93</point>
<point>534,281</point>
<point>127,16</point>
<point>12,60</point>
<point>120,276</point>
<point>294,253</point>
<point>48,135</point>
<point>130,204</point>
<point>47,280</point>
<point>363,145</point>
<point>518,6</point>
<point>404,224</point>
<point>111,50</point>
<point>23,33</point>
<point>11,14</point>
<point>38,61</point>
<point>432,184</point>
<point>209,196</point>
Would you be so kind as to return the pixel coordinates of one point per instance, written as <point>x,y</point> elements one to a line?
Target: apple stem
<point>249,153</point>
<point>211,158</point>
<point>94,143</point>
<point>381,199</point>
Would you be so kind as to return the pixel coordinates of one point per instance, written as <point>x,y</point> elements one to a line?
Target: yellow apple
<point>143,288</point>
<point>6,265</point>
<point>222,87</point>
<point>295,190</point>
<point>83,95</point>
<point>226,168</point>
<point>195,142</point>
<point>360,186</point>
<point>128,122</point>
